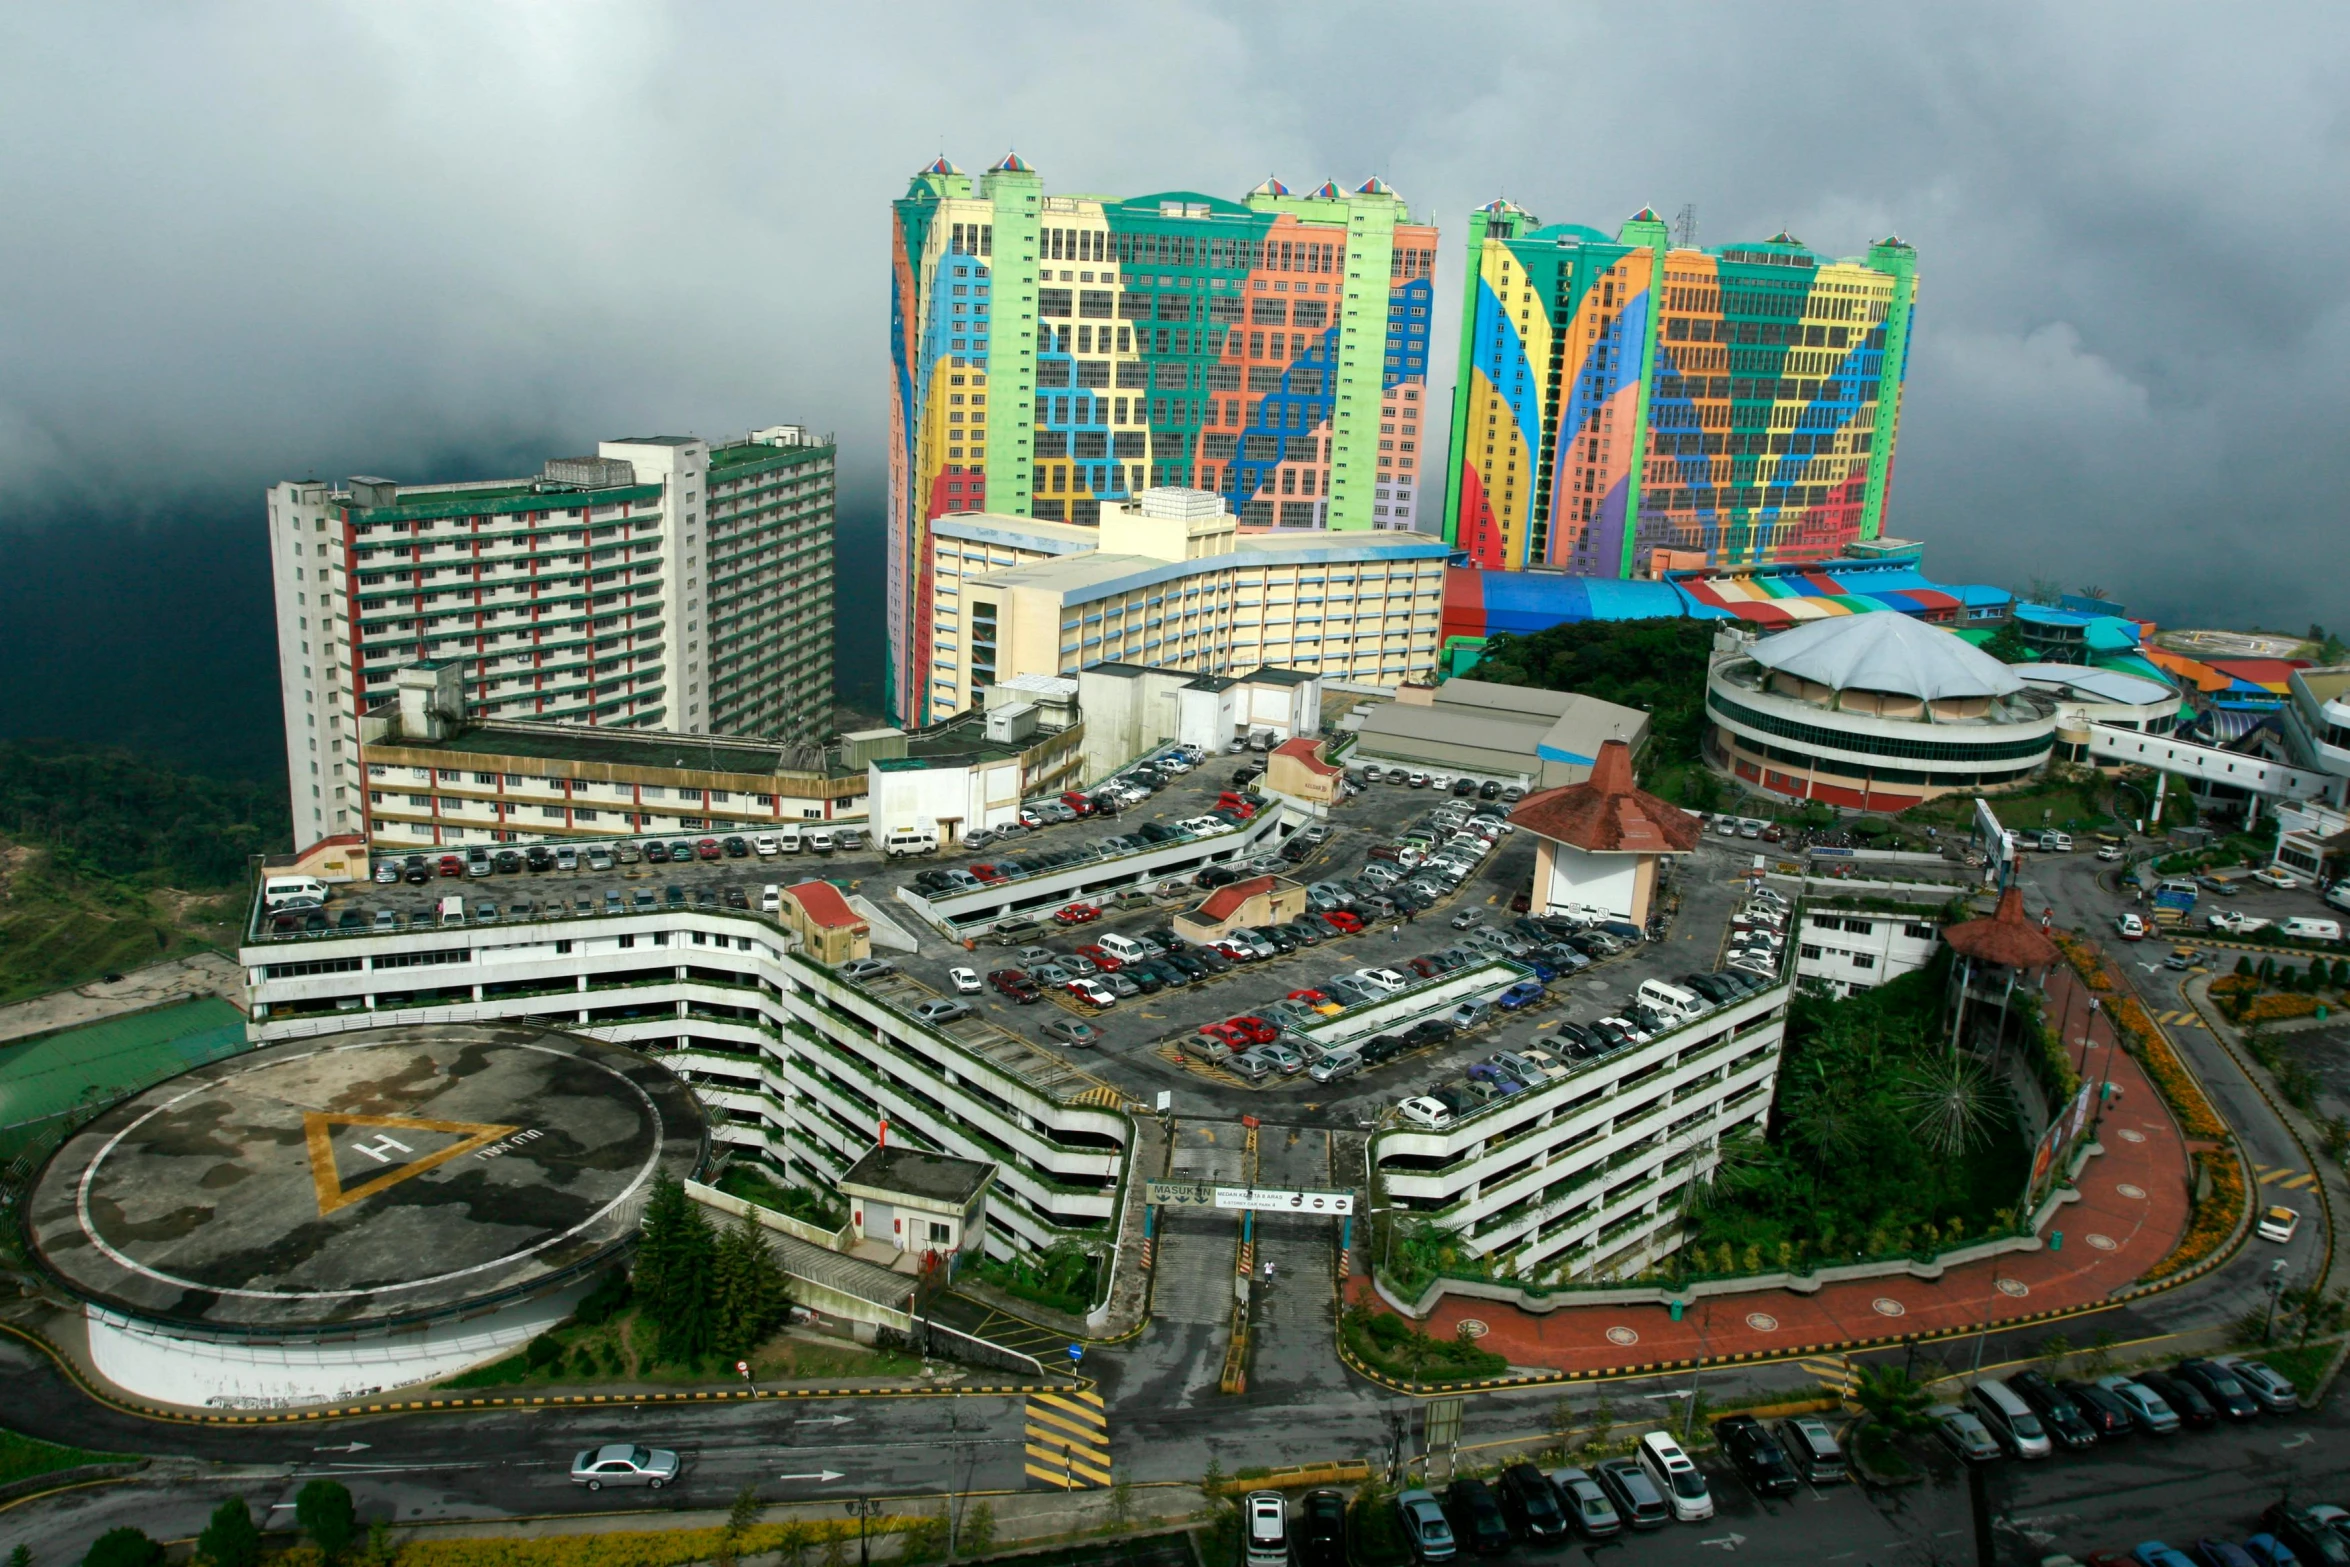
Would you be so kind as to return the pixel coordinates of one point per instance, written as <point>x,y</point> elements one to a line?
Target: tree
<point>674,1263</point>
<point>21,1556</point>
<point>2007,646</point>
<point>123,1547</point>
<point>747,1290</point>
<point>230,1540</point>
<point>323,1509</point>
<point>1892,1397</point>
<point>979,1530</point>
<point>2053,1350</point>
<point>741,1515</point>
<point>1949,1103</point>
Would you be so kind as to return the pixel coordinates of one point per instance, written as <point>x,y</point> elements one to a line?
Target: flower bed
<point>2215,1217</point>
<point>2139,1036</point>
<point>2275,1009</point>
<point>1387,1343</point>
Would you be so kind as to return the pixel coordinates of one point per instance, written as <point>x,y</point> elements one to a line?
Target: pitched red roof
<point>1226,900</point>
<point>1308,751</point>
<point>1607,814</point>
<point>2010,937</point>
<point>824,904</point>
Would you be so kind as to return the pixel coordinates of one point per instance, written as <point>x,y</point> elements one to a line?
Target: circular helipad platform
<point>358,1180</point>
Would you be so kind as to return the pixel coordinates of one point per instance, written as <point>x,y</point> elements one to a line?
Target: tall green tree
<point>230,1540</point>
<point>323,1509</point>
<point>747,1288</point>
<point>674,1265</point>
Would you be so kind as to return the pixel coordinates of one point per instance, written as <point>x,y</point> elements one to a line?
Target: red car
<point>1015,984</point>
<point>1255,1029</point>
<point>1078,800</point>
<point>1312,998</point>
<point>452,866</point>
<point>1422,967</point>
<point>708,849</point>
<point>1382,851</point>
<point>1107,962</point>
<point>1077,914</point>
<point>988,873</point>
<point>1226,1035</point>
<point>1352,924</point>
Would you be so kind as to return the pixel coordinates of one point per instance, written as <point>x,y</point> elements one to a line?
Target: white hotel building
<point>664,583</point>
<point>1170,581</point>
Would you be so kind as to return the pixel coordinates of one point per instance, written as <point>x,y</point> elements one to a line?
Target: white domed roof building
<point>1874,713</point>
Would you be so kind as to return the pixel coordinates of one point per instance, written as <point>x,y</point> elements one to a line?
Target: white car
<point>966,981</point>
<point>1440,780</point>
<point>2278,1224</point>
<point>2282,880</point>
<point>1385,980</point>
<point>1424,1112</point>
<point>765,845</point>
<point>2129,926</point>
<point>2109,851</point>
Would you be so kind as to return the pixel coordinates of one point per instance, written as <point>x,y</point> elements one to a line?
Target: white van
<point>1672,1001</point>
<point>286,892</point>
<point>2053,842</point>
<point>1124,948</point>
<point>2011,1419</point>
<point>1677,1476</point>
<point>910,840</point>
<point>452,911</point>
<point>787,838</point>
<point>2303,928</point>
<point>1267,1541</point>
<point>2339,894</point>
<point>771,898</point>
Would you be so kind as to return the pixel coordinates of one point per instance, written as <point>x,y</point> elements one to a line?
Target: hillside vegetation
<point>108,862</point>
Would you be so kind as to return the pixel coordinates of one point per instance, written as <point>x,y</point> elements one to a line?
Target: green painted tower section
<point>1456,446</point>
<point>1900,262</point>
<point>1644,231</point>
<point>1018,196</point>
<point>1362,345</point>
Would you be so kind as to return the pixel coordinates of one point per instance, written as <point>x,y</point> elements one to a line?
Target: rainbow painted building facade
<point>1049,354</point>
<point>1624,406</point>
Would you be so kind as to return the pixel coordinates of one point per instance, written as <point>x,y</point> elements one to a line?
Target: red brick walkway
<point>2133,1208</point>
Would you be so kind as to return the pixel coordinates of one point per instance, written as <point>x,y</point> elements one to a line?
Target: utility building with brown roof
<point>1601,841</point>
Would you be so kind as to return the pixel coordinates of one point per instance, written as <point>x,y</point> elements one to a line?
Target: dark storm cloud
<point>247,242</point>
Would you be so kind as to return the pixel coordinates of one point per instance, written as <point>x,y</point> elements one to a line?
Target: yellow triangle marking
<point>2301,1183</point>
<point>2274,1175</point>
<point>318,1129</point>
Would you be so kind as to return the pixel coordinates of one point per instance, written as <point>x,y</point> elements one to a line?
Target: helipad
<point>394,1178</point>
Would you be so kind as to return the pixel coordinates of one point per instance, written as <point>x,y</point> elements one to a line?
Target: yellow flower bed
<point>2215,1217</point>
<point>2271,1009</point>
<point>646,1548</point>
<point>2139,1036</point>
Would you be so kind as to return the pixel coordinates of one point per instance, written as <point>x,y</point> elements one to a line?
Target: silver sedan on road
<point>621,1463</point>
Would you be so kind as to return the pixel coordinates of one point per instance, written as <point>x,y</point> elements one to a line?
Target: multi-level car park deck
<point>761,1028</point>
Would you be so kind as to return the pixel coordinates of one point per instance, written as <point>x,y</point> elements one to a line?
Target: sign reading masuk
<point>1262,1199</point>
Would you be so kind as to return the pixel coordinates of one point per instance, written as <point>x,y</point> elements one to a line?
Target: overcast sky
<point>245,242</point>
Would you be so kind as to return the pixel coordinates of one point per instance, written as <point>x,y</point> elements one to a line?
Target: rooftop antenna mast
<point>1685,226</point>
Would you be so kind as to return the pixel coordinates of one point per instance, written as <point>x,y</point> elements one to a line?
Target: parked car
<point>1637,1500</point>
<point>2108,1414</point>
<point>1320,1536</point>
<point>1476,1516</point>
<point>1071,1031</point>
<point>1531,1506</point>
<point>1586,1504</point>
<point>2066,1425</point>
<point>2147,1409</point>
<point>1812,1448</point>
<point>2277,1395</point>
<point>1760,1462</point>
<point>1963,1433</point>
<point>619,1464</point>
<point>2219,1387</point>
<point>1425,1529</point>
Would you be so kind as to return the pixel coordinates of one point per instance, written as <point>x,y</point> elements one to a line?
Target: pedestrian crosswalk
<point>2284,1177</point>
<point>1068,1432</point>
<point>1836,1373</point>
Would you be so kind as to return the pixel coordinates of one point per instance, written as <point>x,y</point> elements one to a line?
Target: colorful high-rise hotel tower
<point>1626,404</point>
<point>1052,353</point>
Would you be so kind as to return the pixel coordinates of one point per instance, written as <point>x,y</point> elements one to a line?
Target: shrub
<point>2214,1218</point>
<point>123,1547</point>
<point>323,1509</point>
<point>230,1540</point>
<point>1388,1343</point>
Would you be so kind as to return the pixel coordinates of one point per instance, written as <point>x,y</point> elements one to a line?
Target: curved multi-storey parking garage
<point>1874,713</point>
<point>325,1218</point>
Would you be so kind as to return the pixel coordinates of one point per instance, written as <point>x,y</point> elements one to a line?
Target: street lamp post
<point>865,1508</point>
